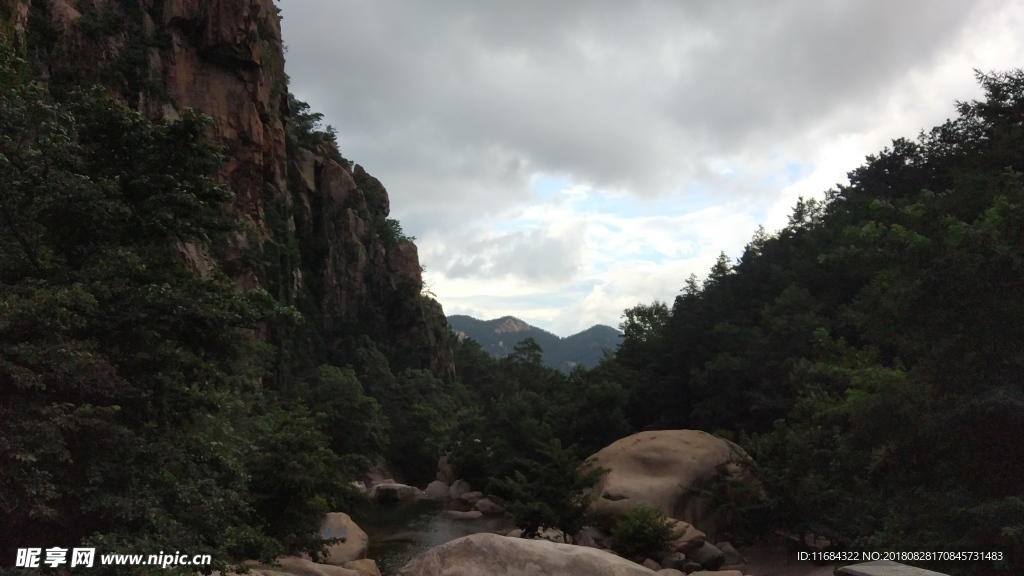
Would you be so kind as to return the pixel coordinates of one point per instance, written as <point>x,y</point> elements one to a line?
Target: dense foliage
<point>645,533</point>
<point>132,416</point>
<point>548,492</point>
<point>869,354</point>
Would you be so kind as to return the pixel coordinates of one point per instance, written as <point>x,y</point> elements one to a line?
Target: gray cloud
<point>536,255</point>
<point>455,104</point>
<point>428,96</point>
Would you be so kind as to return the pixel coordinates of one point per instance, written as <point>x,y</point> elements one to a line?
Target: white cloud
<point>678,127</point>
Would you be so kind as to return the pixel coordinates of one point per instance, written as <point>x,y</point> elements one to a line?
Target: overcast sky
<point>561,161</point>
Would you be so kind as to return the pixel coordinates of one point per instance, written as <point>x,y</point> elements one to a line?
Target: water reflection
<point>401,531</point>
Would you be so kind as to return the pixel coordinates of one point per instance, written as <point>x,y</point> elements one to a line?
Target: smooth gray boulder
<point>436,490</point>
<point>494,555</point>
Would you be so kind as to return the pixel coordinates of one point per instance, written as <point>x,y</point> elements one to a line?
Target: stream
<point>403,530</point>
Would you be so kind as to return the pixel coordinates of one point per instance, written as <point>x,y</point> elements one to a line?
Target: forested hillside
<point>869,355</point>
<point>209,325</point>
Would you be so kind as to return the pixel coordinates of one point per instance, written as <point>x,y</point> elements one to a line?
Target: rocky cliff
<point>316,230</point>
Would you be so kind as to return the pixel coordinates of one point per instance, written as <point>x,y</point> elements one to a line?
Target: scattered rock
<point>517,533</point>
<point>658,468</point>
<point>488,507</point>
<point>436,490</point>
<point>670,572</point>
<point>492,555</point>
<point>364,567</point>
<point>340,525</point>
<point>471,497</point>
<point>708,556</point>
<point>583,538</point>
<point>651,565</point>
<point>674,560</point>
<point>690,567</point>
<point>690,538</point>
<point>458,488</point>
<point>732,555</point>
<point>459,515</point>
<point>551,535</point>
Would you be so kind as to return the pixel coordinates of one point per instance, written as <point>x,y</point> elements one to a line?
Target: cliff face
<point>364,275</point>
<point>314,225</point>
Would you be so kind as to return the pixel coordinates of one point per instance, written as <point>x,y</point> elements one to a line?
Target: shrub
<point>546,490</point>
<point>643,532</point>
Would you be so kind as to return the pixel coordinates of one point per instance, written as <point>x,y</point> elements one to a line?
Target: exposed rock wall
<point>225,59</point>
<point>362,274</point>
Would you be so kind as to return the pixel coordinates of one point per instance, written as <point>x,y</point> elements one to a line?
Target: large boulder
<point>340,525</point>
<point>393,492</point>
<point>493,555</point>
<point>659,468</point>
<point>436,490</point>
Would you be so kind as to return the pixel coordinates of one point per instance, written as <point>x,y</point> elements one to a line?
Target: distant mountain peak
<point>499,336</point>
<point>511,324</point>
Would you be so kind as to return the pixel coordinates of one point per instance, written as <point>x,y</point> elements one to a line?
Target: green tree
<point>353,422</point>
<point>127,381</point>
<point>546,490</point>
<point>644,532</point>
<point>870,351</point>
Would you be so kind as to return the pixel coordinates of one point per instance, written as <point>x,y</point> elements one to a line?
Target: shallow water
<point>401,531</point>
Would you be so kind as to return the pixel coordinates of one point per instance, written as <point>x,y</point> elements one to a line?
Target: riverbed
<point>400,531</point>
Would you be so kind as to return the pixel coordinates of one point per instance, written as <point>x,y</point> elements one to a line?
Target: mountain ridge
<point>499,336</point>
